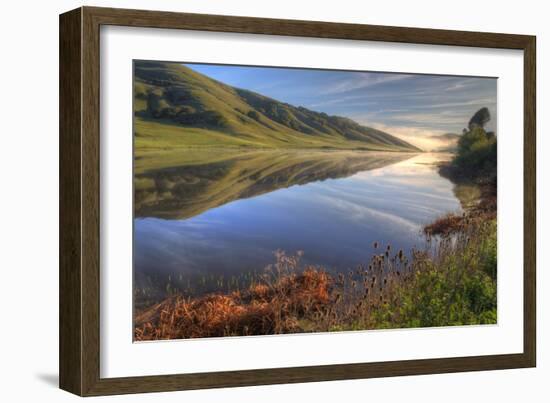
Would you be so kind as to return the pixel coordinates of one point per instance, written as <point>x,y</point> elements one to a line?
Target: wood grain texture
<point>530,203</point>
<point>70,275</point>
<point>315,29</point>
<point>80,196</point>
<point>90,202</point>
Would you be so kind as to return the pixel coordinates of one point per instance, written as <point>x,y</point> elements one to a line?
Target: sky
<point>417,108</point>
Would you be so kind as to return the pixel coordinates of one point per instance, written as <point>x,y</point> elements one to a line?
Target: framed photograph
<point>250,201</point>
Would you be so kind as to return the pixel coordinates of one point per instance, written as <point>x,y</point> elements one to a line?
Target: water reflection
<point>227,218</point>
<point>203,180</point>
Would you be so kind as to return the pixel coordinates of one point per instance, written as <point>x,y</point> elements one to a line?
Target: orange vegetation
<point>265,308</point>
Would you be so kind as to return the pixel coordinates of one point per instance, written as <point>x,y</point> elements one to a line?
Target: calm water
<point>227,217</point>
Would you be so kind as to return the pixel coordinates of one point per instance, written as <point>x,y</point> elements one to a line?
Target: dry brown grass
<point>273,305</point>
<point>445,225</point>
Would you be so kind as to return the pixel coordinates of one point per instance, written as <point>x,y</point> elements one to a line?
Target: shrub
<point>203,119</point>
<point>157,106</point>
<point>477,150</point>
<point>253,115</point>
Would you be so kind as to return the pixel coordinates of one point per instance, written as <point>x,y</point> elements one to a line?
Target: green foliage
<point>477,150</point>
<point>488,251</point>
<point>203,119</point>
<point>253,115</point>
<point>458,289</point>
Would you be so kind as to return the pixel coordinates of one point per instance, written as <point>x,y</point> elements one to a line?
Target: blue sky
<point>417,108</point>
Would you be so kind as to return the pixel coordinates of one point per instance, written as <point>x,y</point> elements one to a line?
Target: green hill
<point>176,107</point>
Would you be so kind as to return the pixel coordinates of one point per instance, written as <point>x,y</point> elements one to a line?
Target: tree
<point>253,115</point>
<point>476,136</point>
<point>477,150</point>
<point>480,119</point>
<point>156,105</point>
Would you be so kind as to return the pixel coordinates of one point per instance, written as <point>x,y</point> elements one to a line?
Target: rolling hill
<point>175,106</point>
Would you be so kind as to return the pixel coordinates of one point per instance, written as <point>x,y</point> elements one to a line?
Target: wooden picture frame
<point>80,199</point>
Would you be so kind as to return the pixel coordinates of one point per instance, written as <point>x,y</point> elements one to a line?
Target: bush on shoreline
<point>476,158</point>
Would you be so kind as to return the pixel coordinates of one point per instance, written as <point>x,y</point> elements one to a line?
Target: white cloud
<point>355,211</point>
<point>362,80</point>
<point>473,102</point>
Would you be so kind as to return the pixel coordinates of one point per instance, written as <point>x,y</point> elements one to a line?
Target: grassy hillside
<point>176,107</point>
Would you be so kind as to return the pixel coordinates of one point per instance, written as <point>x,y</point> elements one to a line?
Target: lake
<point>206,220</point>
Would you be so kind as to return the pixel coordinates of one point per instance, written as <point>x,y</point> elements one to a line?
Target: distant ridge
<point>175,106</point>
